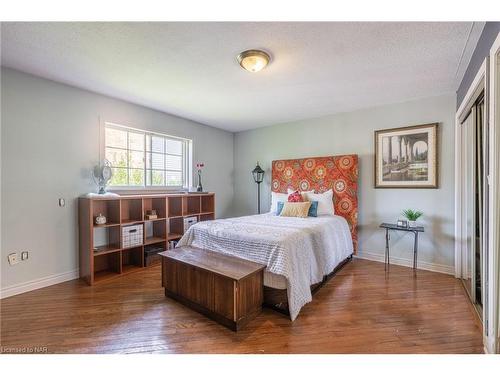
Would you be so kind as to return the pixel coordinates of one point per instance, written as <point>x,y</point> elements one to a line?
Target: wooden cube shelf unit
<point>102,254</point>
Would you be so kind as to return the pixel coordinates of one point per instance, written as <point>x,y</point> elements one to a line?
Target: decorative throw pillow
<point>275,198</point>
<point>295,197</point>
<point>325,202</point>
<point>303,193</point>
<point>295,209</point>
<point>313,210</point>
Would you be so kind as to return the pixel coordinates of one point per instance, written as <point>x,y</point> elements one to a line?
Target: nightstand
<point>415,230</point>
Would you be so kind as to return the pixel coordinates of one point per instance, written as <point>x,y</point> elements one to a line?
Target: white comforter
<point>303,250</point>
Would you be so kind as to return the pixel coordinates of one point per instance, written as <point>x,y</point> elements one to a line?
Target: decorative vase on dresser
<point>199,167</point>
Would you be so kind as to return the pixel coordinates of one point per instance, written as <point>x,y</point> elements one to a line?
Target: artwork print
<point>406,157</point>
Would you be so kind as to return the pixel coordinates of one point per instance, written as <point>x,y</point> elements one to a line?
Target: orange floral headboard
<point>339,173</point>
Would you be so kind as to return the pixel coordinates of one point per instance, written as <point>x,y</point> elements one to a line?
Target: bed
<point>299,253</point>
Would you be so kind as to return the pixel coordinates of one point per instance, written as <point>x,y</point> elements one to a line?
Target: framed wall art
<point>407,157</point>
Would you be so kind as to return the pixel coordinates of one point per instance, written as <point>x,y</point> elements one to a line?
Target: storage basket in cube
<point>189,221</point>
<point>132,235</point>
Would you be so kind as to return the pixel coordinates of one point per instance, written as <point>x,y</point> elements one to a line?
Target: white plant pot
<point>412,224</point>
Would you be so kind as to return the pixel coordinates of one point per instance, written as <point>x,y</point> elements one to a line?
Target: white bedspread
<point>303,250</point>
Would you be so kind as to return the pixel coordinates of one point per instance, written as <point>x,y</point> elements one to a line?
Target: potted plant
<point>412,216</point>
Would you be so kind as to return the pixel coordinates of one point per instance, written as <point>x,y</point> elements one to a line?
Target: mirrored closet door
<point>473,206</point>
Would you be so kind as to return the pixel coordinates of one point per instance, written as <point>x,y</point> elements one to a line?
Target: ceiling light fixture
<point>253,60</point>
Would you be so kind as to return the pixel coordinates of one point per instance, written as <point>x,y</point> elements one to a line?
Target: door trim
<point>492,341</point>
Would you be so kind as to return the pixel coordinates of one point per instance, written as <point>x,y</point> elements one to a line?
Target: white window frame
<point>187,154</point>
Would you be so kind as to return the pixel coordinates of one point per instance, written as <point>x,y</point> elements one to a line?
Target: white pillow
<point>275,198</point>
<point>290,191</point>
<point>325,202</point>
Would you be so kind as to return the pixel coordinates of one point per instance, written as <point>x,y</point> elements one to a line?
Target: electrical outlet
<point>13,259</point>
<point>24,255</point>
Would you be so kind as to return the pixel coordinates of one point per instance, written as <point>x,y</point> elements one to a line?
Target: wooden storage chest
<point>226,289</point>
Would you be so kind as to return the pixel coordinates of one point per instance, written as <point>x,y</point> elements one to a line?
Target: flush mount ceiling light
<point>253,60</point>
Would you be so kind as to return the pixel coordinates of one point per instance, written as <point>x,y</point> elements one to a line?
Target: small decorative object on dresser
<point>100,219</point>
<point>412,216</point>
<point>402,223</point>
<point>102,174</point>
<point>199,168</point>
<point>151,214</point>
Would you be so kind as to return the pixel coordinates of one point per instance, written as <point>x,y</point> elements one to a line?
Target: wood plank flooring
<point>362,309</point>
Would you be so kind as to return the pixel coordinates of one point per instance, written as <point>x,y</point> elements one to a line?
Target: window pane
<point>174,162</point>
<point>158,178</point>
<point>120,177</point>
<point>136,159</point>
<point>136,141</point>
<point>136,177</point>
<point>144,159</point>
<point>174,178</point>
<point>174,146</point>
<point>157,144</point>
<point>155,161</point>
<point>117,158</point>
<point>115,137</point>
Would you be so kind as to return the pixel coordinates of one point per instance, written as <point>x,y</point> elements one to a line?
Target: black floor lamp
<point>258,177</point>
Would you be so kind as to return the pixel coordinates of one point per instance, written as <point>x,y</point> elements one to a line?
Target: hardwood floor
<point>360,310</point>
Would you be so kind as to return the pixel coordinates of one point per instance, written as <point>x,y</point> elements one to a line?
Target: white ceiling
<point>190,70</point>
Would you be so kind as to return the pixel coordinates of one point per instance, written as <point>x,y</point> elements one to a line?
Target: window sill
<point>145,190</point>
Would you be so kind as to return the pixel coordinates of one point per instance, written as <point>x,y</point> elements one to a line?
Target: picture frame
<point>407,157</point>
<point>402,223</point>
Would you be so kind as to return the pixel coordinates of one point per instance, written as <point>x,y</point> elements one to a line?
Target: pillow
<point>295,209</point>
<point>313,210</point>
<point>275,198</point>
<point>302,193</point>
<point>295,197</point>
<point>325,202</point>
<point>290,191</point>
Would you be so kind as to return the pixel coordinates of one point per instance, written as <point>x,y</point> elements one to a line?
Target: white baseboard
<point>38,283</point>
<point>441,268</point>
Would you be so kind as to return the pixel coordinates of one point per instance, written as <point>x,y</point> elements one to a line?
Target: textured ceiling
<point>189,69</point>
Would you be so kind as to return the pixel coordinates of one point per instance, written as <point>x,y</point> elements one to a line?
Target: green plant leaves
<point>412,215</point>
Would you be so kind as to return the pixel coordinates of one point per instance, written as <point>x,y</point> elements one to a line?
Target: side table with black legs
<point>388,227</point>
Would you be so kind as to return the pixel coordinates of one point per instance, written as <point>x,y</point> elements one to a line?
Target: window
<point>146,159</point>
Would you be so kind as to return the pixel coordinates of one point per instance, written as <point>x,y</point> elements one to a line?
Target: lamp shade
<point>258,174</point>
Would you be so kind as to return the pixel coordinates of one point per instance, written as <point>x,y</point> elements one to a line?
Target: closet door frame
<point>479,85</point>
<point>492,334</point>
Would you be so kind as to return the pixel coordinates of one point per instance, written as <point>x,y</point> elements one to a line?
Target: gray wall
<point>488,36</point>
<point>50,140</point>
<point>353,133</point>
